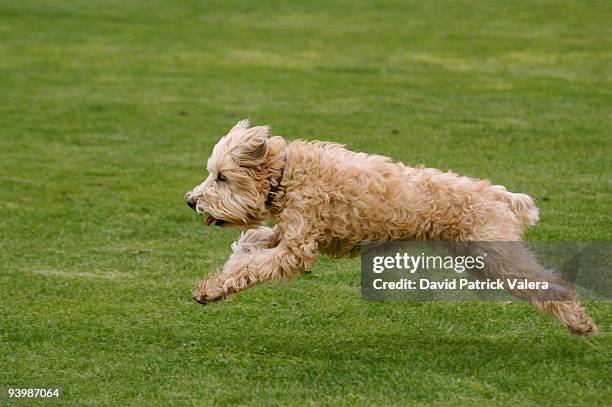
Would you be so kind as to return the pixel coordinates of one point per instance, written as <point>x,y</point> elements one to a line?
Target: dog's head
<point>243,167</point>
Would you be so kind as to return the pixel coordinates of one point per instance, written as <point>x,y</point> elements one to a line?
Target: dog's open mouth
<point>211,219</point>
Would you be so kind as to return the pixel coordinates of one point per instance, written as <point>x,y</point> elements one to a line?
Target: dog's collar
<point>276,190</point>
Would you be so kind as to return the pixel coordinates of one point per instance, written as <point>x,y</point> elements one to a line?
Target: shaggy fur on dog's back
<point>327,199</point>
<point>368,197</point>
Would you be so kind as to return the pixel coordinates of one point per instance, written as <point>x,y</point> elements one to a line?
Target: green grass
<point>109,109</point>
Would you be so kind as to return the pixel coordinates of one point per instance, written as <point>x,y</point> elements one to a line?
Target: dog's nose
<point>191,203</point>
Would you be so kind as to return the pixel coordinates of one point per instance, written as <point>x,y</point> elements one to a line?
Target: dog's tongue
<point>210,220</point>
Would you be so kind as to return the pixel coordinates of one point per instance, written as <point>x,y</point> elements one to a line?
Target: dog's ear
<point>241,125</point>
<point>253,147</point>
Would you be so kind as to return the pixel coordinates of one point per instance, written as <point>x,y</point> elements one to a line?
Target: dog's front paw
<point>205,294</point>
<point>203,299</point>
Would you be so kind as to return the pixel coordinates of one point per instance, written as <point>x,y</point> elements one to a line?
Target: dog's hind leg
<point>513,261</point>
<point>571,314</point>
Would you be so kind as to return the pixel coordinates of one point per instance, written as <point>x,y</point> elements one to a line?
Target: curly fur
<point>327,199</point>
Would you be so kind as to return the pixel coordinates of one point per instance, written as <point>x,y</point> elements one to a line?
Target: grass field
<point>108,110</point>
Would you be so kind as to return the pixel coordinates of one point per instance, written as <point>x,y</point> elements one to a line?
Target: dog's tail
<point>521,204</point>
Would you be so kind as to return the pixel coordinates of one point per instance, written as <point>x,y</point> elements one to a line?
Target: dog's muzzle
<point>192,203</point>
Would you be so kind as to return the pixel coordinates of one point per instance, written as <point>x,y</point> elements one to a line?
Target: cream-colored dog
<point>326,199</point>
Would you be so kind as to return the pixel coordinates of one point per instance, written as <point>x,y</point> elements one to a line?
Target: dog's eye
<point>221,177</point>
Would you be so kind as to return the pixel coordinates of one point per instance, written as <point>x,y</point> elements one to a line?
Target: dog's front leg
<point>255,239</point>
<point>247,267</point>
